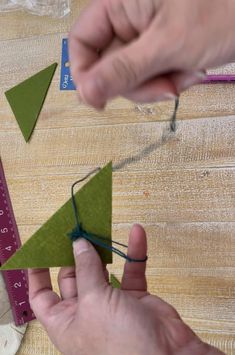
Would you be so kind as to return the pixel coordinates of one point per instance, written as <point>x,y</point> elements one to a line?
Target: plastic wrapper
<point>53,8</point>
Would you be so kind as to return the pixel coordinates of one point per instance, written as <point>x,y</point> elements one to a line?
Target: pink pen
<point>219,78</point>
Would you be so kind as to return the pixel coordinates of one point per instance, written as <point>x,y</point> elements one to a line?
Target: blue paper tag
<point>66,81</point>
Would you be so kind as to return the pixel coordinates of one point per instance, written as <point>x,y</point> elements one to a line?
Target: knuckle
<point>88,300</point>
<point>125,70</point>
<point>33,299</point>
<point>177,35</point>
<point>175,45</point>
<point>66,272</point>
<point>147,12</point>
<point>85,261</point>
<point>115,7</point>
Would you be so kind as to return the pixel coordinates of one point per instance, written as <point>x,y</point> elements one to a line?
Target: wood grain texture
<point>181,187</point>
<point>198,143</point>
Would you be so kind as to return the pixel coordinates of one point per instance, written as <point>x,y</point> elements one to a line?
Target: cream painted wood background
<point>183,193</point>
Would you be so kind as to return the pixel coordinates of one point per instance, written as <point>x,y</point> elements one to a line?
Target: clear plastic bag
<point>53,8</point>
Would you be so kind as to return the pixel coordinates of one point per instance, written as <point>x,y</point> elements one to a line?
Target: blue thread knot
<point>77,232</point>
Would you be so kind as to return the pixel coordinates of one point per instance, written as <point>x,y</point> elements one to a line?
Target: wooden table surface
<point>182,192</point>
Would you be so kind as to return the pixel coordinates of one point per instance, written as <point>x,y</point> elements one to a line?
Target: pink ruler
<point>16,280</point>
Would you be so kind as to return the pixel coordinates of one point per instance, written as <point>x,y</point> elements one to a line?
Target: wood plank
<point>198,143</point>
<point>197,297</point>
<point>175,196</point>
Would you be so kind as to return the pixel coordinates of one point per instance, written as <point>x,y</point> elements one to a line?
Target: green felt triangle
<point>50,246</point>
<point>26,99</point>
<point>115,283</point>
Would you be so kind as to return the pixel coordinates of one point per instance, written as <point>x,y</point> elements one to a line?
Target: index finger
<point>41,295</point>
<point>91,33</point>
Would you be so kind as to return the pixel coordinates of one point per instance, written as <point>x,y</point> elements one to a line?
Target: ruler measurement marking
<point>16,280</point>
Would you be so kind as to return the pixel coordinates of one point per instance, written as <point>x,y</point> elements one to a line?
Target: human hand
<point>90,317</point>
<point>148,50</point>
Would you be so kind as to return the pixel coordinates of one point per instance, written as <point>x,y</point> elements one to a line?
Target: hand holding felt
<point>92,317</point>
<point>84,305</point>
<point>50,246</point>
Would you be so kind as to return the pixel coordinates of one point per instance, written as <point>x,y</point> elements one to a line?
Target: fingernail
<point>192,79</point>
<point>166,96</point>
<point>80,246</point>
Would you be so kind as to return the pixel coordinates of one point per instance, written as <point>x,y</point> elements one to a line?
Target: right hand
<point>148,50</point>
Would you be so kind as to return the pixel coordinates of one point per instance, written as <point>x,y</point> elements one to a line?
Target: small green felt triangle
<point>50,246</point>
<point>115,283</point>
<point>26,99</point>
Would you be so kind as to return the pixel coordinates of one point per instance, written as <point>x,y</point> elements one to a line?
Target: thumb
<point>89,269</point>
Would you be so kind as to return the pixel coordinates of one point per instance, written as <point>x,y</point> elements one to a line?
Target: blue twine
<point>79,232</point>
<point>173,118</point>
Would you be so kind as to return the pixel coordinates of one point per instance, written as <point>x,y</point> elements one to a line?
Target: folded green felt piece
<point>50,246</point>
<point>26,99</point>
<point>114,281</point>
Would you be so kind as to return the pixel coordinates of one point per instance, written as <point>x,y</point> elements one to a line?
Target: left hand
<point>90,317</point>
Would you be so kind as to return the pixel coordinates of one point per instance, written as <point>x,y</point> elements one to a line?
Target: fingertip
<point>137,246</point>
<point>92,92</point>
<point>138,230</point>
